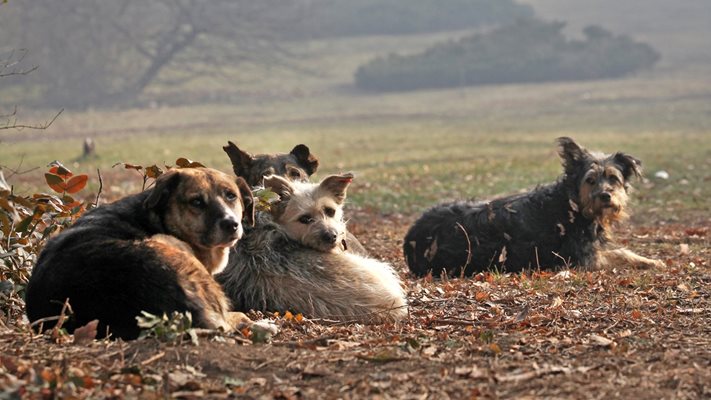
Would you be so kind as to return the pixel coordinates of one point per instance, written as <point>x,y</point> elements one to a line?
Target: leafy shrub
<point>26,222</point>
<point>528,51</point>
<point>391,17</point>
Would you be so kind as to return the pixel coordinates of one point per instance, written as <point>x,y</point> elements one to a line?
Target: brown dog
<point>154,251</point>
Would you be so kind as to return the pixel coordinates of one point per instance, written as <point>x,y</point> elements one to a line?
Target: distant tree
<point>527,51</point>
<point>108,52</point>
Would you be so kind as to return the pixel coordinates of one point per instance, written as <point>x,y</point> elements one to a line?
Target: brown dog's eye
<point>330,212</point>
<point>614,179</point>
<point>306,219</point>
<point>590,181</point>
<point>230,195</point>
<point>197,202</point>
<point>294,174</point>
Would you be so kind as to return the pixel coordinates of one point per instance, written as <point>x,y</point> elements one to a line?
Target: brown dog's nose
<point>605,197</point>
<point>229,225</point>
<point>329,237</point>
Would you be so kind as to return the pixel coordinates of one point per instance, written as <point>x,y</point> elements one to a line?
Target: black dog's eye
<point>294,173</point>
<point>590,180</point>
<point>230,195</point>
<point>197,202</point>
<point>330,212</point>
<point>614,179</point>
<point>306,219</point>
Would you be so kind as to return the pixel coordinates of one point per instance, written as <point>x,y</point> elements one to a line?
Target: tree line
<point>526,51</point>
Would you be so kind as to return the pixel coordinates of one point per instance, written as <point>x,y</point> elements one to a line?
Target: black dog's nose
<point>606,197</point>
<point>329,237</point>
<point>229,225</point>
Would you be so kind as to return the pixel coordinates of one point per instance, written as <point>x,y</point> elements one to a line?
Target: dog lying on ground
<point>155,251</point>
<point>566,223</point>
<point>293,259</point>
<point>296,166</point>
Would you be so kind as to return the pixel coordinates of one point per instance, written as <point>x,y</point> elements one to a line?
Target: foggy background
<point>98,54</point>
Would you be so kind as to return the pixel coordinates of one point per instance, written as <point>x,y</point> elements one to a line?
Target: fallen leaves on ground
<point>617,332</point>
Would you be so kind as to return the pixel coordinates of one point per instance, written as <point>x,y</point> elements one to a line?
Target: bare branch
<point>12,122</point>
<point>11,62</point>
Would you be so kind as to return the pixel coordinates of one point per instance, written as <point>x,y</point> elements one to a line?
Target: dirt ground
<point>615,333</point>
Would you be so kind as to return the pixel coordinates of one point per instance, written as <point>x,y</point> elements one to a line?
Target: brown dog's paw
<point>238,320</point>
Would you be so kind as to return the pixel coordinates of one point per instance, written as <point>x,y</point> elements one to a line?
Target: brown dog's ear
<point>247,199</point>
<point>306,160</point>
<point>165,184</point>
<point>336,185</point>
<point>241,160</point>
<point>279,185</point>
<point>629,165</point>
<point>571,153</point>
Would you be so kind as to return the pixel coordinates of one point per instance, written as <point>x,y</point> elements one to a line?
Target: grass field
<point>602,334</point>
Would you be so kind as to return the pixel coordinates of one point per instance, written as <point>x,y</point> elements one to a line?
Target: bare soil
<point>613,333</point>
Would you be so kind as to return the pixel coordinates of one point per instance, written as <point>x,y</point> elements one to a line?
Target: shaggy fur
<point>154,251</point>
<point>566,223</point>
<point>293,260</point>
<point>296,166</point>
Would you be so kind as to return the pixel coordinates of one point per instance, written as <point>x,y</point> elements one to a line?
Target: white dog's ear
<point>336,186</point>
<point>279,185</point>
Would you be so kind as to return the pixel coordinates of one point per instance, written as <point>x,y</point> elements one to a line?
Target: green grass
<point>413,149</point>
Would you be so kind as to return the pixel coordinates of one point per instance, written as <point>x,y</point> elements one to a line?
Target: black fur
<point>107,273</point>
<point>110,264</point>
<point>543,228</point>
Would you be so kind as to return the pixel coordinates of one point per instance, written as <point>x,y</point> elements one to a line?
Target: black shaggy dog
<point>566,223</point>
<point>155,251</point>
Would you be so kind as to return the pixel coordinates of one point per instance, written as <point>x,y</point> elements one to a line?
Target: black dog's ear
<point>630,165</point>
<point>337,185</point>
<point>247,199</point>
<point>571,153</point>
<point>279,185</point>
<point>306,160</point>
<point>241,160</point>
<point>165,185</point>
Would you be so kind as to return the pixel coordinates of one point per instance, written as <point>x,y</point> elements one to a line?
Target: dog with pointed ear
<point>565,223</point>
<point>312,213</point>
<point>293,259</point>
<point>151,252</point>
<point>297,165</point>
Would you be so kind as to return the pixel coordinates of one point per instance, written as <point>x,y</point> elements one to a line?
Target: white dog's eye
<point>330,212</point>
<point>306,219</point>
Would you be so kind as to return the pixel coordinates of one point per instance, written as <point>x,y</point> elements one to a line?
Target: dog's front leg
<point>624,256</point>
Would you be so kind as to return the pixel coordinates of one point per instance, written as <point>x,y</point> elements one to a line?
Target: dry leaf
<point>502,256</point>
<point>86,334</point>
<point>601,340</point>
<point>557,302</point>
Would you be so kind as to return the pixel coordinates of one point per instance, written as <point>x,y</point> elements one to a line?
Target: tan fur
<point>590,204</point>
<point>321,202</point>
<point>197,248</point>
<point>284,263</point>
